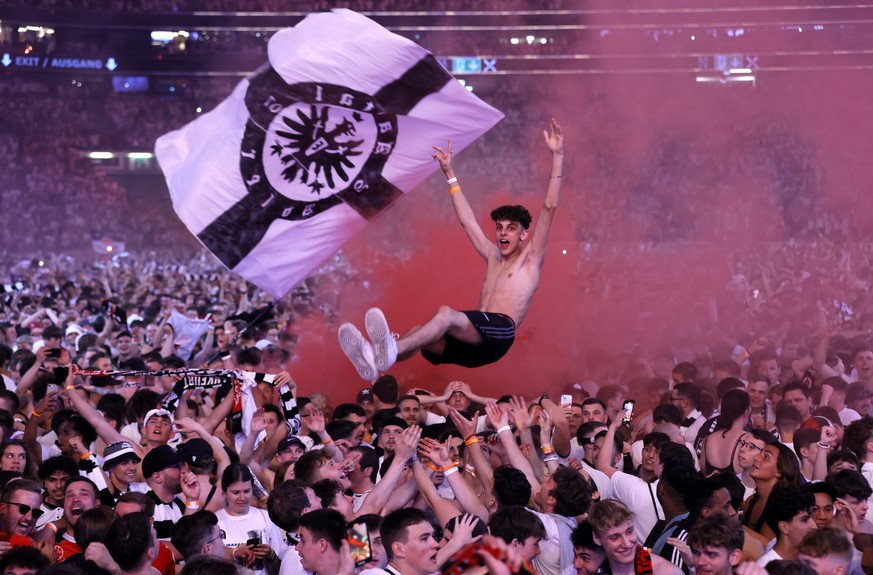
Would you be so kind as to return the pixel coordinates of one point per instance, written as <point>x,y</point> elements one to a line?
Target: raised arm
<point>555,142</point>
<point>473,452</point>
<point>604,461</point>
<point>819,358</point>
<point>87,410</point>
<point>381,492</point>
<point>500,421</point>
<point>462,208</point>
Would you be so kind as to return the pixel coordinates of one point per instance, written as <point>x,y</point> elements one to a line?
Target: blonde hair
<point>607,514</point>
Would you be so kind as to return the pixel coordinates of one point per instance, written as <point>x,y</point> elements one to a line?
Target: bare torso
<point>509,285</point>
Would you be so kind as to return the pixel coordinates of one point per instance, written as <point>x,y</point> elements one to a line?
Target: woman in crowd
<point>719,449</point>
<point>246,530</point>
<point>775,467</point>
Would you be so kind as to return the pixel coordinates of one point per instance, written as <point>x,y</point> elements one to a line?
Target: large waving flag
<point>305,151</point>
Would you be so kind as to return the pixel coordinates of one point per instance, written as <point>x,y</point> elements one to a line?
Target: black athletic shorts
<point>498,333</point>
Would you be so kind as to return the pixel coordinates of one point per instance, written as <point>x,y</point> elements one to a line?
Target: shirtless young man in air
<point>471,338</point>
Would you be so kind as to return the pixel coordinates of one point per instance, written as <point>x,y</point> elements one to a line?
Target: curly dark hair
<point>511,487</point>
<point>513,214</point>
<point>717,530</point>
<point>857,434</point>
<point>572,493</point>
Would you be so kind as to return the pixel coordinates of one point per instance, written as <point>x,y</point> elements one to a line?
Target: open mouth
<point>504,243</point>
<point>76,511</point>
<point>24,527</point>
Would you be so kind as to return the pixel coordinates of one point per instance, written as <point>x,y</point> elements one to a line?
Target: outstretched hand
<point>554,138</point>
<point>444,157</point>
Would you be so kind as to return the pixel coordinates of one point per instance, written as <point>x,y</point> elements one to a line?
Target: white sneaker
<point>358,350</point>
<point>384,345</point>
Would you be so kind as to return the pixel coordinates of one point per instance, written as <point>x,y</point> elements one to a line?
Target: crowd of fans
<point>749,445</point>
<point>148,421</point>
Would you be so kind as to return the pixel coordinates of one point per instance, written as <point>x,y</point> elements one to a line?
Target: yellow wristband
<point>328,442</point>
<point>454,189</point>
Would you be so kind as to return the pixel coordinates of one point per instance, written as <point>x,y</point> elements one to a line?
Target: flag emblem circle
<point>305,143</point>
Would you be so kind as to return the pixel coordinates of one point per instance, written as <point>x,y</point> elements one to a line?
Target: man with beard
<point>161,468</point>
<point>357,415</point>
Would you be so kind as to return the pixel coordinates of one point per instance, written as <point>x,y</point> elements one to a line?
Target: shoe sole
<point>380,335</point>
<point>352,342</point>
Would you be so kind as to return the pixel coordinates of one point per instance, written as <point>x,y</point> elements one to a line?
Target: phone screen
<point>629,408</point>
<point>61,374</point>
<point>359,542</point>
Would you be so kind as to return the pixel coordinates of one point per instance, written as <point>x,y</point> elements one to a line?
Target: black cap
<point>117,452</point>
<point>364,395</point>
<point>158,459</point>
<point>133,364</point>
<point>395,421</point>
<point>195,451</point>
<point>289,441</point>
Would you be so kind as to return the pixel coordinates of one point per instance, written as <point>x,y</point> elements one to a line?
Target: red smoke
<point>669,183</point>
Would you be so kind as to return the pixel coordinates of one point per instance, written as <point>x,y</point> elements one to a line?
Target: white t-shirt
<point>690,432</point>
<point>600,479</point>
<point>770,555</point>
<point>433,418</point>
<point>358,500</point>
<point>749,491</point>
<point>576,450</point>
<point>867,472</point>
<point>236,530</point>
<point>641,498</point>
<point>131,432</point>
<point>291,564</point>
<point>847,416</point>
<point>555,554</point>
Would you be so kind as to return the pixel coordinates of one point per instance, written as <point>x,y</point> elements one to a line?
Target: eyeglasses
<point>749,445</point>
<point>221,535</point>
<point>25,509</point>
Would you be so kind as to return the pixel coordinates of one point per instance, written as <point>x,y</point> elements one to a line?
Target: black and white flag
<point>334,129</point>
